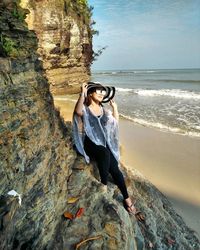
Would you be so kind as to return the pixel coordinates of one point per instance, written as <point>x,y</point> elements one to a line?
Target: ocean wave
<point>124,72</point>
<point>124,90</point>
<point>143,71</point>
<point>177,93</point>
<point>160,126</point>
<point>106,73</point>
<point>173,80</point>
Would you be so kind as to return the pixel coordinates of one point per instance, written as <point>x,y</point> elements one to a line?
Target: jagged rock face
<point>64,43</point>
<point>35,149</point>
<point>38,162</point>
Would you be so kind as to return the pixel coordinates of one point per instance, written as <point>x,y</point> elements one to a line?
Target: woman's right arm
<point>79,105</point>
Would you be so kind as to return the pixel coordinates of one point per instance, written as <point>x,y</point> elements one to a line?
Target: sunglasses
<point>100,91</point>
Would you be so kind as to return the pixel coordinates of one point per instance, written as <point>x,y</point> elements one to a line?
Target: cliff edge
<point>64,33</point>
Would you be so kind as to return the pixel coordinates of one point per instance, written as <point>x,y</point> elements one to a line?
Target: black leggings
<point>106,163</point>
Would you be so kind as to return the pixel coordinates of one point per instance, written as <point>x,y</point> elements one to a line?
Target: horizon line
<point>143,69</point>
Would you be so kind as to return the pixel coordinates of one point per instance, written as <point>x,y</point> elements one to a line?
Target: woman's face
<point>98,94</point>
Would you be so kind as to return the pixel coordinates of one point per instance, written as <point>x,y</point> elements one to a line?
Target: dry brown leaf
<point>68,215</point>
<point>91,238</point>
<point>72,200</point>
<point>79,212</point>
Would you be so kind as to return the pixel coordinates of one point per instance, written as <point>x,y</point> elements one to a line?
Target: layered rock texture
<point>38,162</point>
<point>64,41</point>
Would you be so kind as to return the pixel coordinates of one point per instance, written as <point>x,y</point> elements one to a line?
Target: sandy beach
<point>170,161</point>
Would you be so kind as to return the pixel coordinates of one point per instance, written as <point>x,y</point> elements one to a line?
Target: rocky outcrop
<point>38,164</point>
<point>64,41</point>
<point>35,150</point>
<point>107,222</point>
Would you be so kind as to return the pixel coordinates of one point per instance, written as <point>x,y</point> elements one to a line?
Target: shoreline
<point>162,128</point>
<point>148,148</point>
<point>169,161</point>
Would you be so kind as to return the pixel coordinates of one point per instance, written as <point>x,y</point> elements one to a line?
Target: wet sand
<point>170,161</point>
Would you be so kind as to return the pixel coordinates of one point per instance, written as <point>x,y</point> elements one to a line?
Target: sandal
<point>129,207</point>
<point>140,216</point>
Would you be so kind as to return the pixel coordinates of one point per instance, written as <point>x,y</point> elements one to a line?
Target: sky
<point>147,34</point>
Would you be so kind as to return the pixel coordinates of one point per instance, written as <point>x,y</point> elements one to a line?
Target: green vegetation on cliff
<point>12,29</point>
<point>19,13</point>
<point>8,46</point>
<point>83,10</point>
<point>80,7</point>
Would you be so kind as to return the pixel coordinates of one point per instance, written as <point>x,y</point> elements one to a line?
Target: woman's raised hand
<point>115,113</point>
<point>84,88</point>
<point>113,104</point>
<point>79,105</point>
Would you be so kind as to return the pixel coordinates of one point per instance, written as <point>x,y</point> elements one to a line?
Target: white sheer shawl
<point>100,130</point>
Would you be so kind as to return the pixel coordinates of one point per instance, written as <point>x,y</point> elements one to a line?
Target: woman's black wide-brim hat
<point>110,91</point>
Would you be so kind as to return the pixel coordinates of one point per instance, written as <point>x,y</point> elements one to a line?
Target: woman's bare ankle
<point>128,201</point>
<point>130,205</point>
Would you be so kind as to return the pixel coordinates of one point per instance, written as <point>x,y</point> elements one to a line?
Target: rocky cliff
<point>64,36</point>
<point>50,199</point>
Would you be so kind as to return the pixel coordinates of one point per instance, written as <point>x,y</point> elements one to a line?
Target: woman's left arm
<point>115,110</point>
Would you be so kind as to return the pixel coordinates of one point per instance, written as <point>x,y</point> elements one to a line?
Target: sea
<point>168,100</point>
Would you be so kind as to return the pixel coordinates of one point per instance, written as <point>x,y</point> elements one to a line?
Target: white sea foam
<point>124,89</point>
<point>143,71</point>
<point>177,93</point>
<point>161,126</point>
<point>196,127</point>
<point>124,72</point>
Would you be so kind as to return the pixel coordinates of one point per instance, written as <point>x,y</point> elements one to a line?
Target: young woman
<point>95,132</point>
